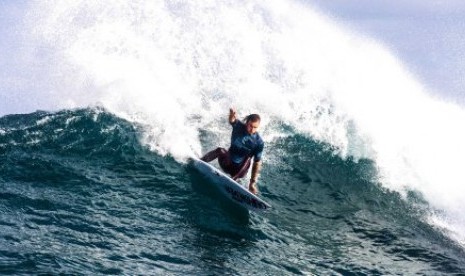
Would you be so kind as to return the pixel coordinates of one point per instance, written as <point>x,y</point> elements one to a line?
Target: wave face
<point>81,194</point>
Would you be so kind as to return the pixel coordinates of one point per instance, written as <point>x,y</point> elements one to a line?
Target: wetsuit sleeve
<point>236,123</point>
<point>258,152</point>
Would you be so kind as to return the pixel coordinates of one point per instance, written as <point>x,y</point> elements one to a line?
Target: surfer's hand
<point>232,112</point>
<point>253,187</point>
<point>232,115</point>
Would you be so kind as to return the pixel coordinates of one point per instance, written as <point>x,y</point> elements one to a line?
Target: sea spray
<point>179,67</point>
<point>175,67</point>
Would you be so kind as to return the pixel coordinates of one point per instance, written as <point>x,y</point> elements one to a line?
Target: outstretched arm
<point>232,115</point>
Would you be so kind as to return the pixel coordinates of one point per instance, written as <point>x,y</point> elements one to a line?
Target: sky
<point>428,36</point>
<point>14,79</point>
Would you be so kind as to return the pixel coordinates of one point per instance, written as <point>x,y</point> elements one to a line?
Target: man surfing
<point>245,144</point>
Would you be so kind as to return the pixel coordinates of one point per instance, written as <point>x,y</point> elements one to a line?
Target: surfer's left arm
<point>256,167</point>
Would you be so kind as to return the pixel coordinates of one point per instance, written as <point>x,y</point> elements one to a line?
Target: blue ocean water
<point>80,194</point>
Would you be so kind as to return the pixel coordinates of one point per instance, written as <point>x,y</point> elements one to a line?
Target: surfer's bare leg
<point>212,155</point>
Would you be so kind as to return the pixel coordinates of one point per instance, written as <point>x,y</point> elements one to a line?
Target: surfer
<point>245,144</point>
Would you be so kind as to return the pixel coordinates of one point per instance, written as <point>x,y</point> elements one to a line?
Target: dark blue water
<point>79,194</point>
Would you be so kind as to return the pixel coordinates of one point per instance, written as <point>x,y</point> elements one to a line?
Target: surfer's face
<point>252,127</point>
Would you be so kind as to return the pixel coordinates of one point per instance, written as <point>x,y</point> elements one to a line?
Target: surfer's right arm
<point>232,116</point>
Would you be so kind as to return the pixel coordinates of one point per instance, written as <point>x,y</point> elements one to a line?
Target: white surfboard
<point>230,188</point>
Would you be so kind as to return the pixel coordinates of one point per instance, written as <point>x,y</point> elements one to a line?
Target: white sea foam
<point>176,67</point>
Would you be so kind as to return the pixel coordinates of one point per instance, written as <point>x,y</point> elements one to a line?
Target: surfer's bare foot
<point>253,188</point>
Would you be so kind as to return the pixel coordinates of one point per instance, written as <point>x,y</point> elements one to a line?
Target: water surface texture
<point>80,194</point>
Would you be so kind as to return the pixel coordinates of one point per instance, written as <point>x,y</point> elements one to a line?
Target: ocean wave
<point>91,187</point>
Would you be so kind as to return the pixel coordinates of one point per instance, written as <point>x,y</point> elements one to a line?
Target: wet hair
<point>252,118</point>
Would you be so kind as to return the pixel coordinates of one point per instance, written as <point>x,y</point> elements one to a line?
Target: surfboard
<point>231,189</point>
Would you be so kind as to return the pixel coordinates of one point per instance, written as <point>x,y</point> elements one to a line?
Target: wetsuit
<point>236,161</point>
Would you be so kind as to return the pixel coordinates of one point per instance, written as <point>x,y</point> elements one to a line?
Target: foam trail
<point>176,67</point>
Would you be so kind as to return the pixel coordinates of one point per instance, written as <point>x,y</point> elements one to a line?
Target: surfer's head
<point>252,123</point>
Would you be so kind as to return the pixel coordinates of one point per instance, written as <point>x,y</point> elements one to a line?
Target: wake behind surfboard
<point>230,188</point>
